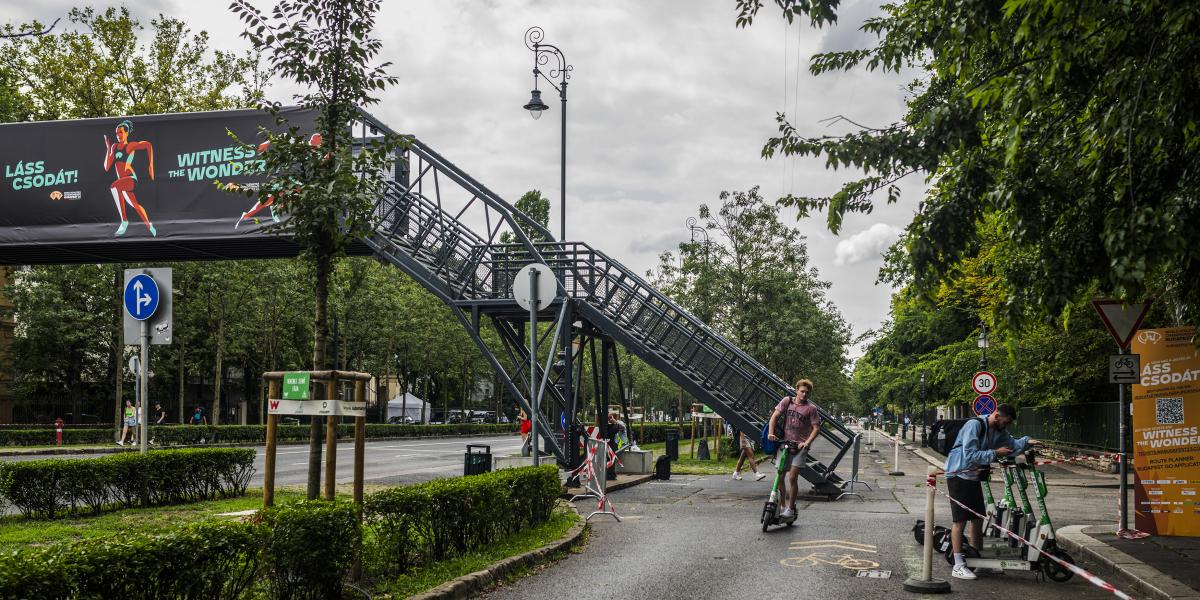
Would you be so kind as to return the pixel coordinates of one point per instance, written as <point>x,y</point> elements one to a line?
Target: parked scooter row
<point>999,550</point>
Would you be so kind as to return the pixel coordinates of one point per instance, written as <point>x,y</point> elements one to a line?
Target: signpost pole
<point>269,460</point>
<point>143,377</point>
<point>1122,448</point>
<point>533,399</point>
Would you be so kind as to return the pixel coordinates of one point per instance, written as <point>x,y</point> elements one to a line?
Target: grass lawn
<point>691,466</point>
<point>17,532</point>
<point>431,576</point>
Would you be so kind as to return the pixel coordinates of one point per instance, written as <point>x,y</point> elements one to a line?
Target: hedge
<point>57,487</point>
<point>273,556</point>
<point>421,524</point>
<point>296,551</point>
<point>243,434</point>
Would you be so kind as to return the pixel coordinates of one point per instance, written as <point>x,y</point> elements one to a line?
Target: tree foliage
<point>751,280</point>
<point>1072,124</point>
<point>537,207</point>
<point>327,189</point>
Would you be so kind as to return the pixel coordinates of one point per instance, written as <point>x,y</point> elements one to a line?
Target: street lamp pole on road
<point>535,106</point>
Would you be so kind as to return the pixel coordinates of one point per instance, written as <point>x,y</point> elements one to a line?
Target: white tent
<point>408,405</point>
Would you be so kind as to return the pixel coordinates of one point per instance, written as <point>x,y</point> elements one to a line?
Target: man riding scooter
<point>980,442</point>
<point>801,424</point>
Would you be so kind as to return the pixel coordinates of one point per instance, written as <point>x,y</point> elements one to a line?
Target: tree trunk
<point>218,371</point>
<point>324,263</point>
<point>118,351</point>
<point>182,380</point>
<point>425,401</point>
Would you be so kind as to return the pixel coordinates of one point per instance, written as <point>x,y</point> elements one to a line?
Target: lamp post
<point>535,106</point>
<point>983,345</point>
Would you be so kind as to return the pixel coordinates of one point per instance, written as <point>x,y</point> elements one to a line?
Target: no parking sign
<point>984,405</point>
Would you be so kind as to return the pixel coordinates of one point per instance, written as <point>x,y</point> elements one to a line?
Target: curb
<point>566,495</point>
<point>116,449</point>
<point>1134,574</point>
<point>472,584</point>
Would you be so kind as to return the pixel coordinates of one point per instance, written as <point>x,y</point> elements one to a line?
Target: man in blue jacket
<point>979,442</point>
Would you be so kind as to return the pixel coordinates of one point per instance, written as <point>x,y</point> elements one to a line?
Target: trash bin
<point>475,461</point>
<point>662,467</point>
<point>672,440</point>
<point>702,451</point>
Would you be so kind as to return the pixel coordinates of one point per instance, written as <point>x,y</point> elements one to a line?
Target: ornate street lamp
<point>535,106</point>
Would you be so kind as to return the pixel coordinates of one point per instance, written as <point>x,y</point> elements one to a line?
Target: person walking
<point>198,417</point>
<point>129,418</point>
<point>746,453</point>
<point>801,424</point>
<point>525,427</point>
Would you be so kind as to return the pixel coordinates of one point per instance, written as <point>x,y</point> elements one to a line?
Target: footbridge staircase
<point>442,227</point>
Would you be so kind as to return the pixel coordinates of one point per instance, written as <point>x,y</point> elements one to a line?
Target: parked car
<point>401,420</point>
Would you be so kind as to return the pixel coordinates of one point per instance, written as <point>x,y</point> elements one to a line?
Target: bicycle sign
<point>1124,368</point>
<point>984,383</point>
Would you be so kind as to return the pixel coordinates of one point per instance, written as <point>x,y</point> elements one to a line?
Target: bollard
<point>873,449</point>
<point>58,425</point>
<point>927,584</point>
<point>896,460</point>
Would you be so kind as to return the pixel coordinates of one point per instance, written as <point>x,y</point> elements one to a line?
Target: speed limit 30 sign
<point>984,383</point>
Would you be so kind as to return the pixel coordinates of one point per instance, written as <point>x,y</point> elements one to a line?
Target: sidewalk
<point>1158,568</point>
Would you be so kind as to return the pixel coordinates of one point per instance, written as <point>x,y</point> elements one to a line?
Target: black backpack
<point>945,434</point>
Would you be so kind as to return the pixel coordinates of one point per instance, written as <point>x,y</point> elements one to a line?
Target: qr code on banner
<point>1168,411</point>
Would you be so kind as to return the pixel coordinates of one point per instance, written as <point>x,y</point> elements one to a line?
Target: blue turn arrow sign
<point>141,297</point>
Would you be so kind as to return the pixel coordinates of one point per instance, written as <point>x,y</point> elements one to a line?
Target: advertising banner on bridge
<point>141,178</point>
<point>1166,432</point>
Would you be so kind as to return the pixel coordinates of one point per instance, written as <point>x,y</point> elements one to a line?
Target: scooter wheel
<point>1054,571</point>
<point>768,517</point>
<point>919,533</point>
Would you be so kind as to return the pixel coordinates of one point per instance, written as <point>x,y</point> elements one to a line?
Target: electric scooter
<point>771,510</point>
<point>1007,553</point>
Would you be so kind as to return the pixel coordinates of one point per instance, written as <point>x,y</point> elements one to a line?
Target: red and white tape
<point>586,471</point>
<point>1092,578</point>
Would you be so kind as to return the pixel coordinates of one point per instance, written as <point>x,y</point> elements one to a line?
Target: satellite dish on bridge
<point>547,287</point>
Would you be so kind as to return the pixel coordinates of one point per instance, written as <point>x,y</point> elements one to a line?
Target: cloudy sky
<point>669,104</point>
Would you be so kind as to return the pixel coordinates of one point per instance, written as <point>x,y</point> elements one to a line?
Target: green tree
<point>752,281</point>
<point>329,190</point>
<point>537,206</point>
<point>1074,124</point>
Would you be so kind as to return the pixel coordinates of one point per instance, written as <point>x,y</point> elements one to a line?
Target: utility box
<point>635,461</point>
<point>672,440</point>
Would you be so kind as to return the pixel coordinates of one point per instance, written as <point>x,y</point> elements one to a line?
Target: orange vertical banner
<point>1166,432</point>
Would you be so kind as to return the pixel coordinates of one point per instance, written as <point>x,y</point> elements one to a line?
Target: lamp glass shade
<point>535,105</point>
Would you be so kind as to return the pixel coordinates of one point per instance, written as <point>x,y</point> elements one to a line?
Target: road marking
<point>843,544</point>
<point>845,561</point>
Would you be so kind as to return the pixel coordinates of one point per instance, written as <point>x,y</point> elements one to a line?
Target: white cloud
<point>866,245</point>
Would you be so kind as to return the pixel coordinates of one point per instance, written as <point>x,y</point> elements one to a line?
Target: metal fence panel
<point>1094,425</point>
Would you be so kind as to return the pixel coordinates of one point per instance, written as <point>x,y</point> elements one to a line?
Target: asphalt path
<point>388,462</point>
<point>700,537</point>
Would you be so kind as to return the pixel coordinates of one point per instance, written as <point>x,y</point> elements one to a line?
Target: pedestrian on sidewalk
<point>800,427</point>
<point>130,421</point>
<point>746,452</point>
<point>525,427</point>
<point>980,441</point>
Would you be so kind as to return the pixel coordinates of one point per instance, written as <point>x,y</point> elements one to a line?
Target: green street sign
<point>295,386</point>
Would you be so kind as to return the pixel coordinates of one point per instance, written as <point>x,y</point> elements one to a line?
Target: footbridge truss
<point>442,227</point>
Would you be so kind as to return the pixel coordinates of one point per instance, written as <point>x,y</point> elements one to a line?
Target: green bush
<point>657,432</point>
<point>215,559</point>
<point>310,547</point>
<point>177,435</point>
<point>420,524</point>
<point>53,487</point>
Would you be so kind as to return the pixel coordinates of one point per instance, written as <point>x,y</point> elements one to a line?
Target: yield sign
<point>1120,320</point>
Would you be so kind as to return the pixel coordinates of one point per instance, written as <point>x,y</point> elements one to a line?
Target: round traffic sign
<point>547,286</point>
<point>984,383</point>
<point>984,405</point>
<point>141,297</point>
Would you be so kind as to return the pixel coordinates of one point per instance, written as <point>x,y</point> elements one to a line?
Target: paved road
<point>699,537</point>
<point>387,462</point>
